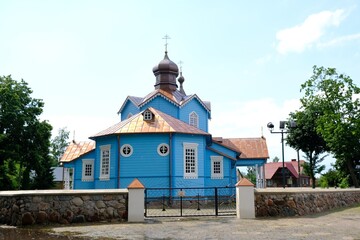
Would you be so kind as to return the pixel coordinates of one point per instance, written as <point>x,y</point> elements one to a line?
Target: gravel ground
<point>338,224</point>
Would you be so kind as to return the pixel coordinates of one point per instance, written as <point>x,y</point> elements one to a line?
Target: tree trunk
<point>312,167</point>
<point>352,173</point>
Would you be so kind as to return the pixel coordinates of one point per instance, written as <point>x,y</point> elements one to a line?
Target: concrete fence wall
<point>302,201</point>
<point>20,208</point>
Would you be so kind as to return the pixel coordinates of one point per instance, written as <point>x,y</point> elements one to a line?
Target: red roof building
<point>274,176</point>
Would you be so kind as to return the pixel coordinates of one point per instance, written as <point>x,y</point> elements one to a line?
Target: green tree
<point>339,122</point>
<point>276,159</point>
<point>24,139</point>
<point>304,137</point>
<point>251,175</point>
<point>312,166</point>
<point>332,178</point>
<point>59,144</point>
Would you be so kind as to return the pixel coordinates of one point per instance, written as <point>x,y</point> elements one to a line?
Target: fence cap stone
<point>136,184</point>
<point>244,182</point>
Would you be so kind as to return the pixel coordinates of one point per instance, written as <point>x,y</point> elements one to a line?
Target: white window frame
<point>190,171</point>
<point>220,160</point>
<point>194,119</point>
<point>159,149</point>
<point>85,177</point>
<point>105,160</point>
<point>148,115</point>
<point>126,146</point>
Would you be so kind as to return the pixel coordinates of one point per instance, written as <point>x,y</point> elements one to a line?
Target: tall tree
<point>59,144</point>
<point>339,123</point>
<point>24,139</point>
<point>304,137</point>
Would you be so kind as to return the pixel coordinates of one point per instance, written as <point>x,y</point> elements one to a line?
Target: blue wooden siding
<point>129,108</point>
<point>224,150</point>
<point>250,162</point>
<point>113,180</point>
<point>77,175</point>
<point>195,106</point>
<point>163,105</point>
<point>229,171</point>
<point>178,161</point>
<point>145,163</point>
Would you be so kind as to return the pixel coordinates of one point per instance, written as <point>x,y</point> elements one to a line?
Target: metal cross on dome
<point>166,37</point>
<point>180,64</point>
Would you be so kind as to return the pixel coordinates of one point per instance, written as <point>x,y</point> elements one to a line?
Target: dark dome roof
<point>181,79</point>
<point>166,66</point>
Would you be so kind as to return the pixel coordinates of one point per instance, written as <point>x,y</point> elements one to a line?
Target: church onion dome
<point>166,72</point>
<point>181,80</point>
<point>166,66</point>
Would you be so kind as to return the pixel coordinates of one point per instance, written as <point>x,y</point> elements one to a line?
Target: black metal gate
<point>182,202</point>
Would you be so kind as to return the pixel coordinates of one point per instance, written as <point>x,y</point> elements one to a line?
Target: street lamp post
<point>270,126</point>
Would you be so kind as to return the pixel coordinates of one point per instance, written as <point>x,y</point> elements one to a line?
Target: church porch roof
<point>250,148</point>
<point>77,149</point>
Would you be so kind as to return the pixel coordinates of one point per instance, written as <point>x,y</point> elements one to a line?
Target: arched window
<point>193,119</point>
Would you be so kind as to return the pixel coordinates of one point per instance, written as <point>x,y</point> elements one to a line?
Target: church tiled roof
<point>161,123</point>
<point>77,149</point>
<point>250,148</point>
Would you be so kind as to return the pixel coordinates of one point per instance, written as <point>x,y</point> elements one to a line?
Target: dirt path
<point>339,224</point>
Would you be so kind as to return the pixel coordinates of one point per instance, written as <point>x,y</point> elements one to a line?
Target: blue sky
<point>249,58</point>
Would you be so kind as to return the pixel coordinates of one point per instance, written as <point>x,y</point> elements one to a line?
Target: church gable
<point>195,114</point>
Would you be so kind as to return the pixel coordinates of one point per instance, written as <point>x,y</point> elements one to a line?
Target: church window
<point>217,170</point>
<point>190,160</point>
<point>87,170</point>
<point>105,162</point>
<point>147,115</point>
<point>163,149</point>
<point>193,119</point>
<point>126,150</point>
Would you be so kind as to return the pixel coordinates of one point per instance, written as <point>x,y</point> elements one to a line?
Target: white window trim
<point>217,175</point>
<point>163,154</point>
<point>193,175</point>
<point>124,146</point>
<point>194,119</point>
<point>84,163</point>
<point>104,148</point>
<point>148,115</point>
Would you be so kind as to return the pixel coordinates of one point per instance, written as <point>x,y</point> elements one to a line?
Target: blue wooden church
<point>162,139</point>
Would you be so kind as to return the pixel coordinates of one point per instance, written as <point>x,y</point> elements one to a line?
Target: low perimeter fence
<point>181,202</point>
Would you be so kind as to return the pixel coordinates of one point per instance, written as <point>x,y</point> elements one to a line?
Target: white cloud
<point>304,35</point>
<point>340,40</point>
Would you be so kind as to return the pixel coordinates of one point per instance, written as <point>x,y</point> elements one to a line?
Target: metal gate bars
<point>182,202</point>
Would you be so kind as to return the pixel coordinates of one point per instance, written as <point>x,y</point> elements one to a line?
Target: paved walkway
<point>340,224</point>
